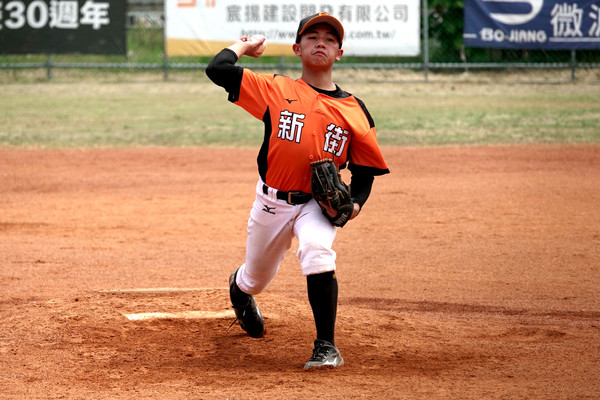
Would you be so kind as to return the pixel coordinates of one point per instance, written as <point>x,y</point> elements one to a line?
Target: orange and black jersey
<point>303,124</point>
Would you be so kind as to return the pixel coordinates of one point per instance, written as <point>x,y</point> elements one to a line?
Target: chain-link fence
<point>443,55</point>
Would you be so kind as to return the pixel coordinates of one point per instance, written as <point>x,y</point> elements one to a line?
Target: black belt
<point>290,197</point>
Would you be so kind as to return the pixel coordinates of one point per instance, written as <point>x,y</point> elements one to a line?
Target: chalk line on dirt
<point>180,315</point>
<point>157,290</point>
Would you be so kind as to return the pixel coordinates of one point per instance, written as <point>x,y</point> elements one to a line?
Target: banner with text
<point>204,27</point>
<point>532,24</point>
<point>54,26</point>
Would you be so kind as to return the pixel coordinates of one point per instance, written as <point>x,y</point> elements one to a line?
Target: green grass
<point>196,113</point>
<point>470,114</point>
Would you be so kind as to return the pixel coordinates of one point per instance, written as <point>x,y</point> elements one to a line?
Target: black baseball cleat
<point>246,310</point>
<point>324,354</point>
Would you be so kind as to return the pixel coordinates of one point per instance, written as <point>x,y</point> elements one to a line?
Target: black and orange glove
<point>330,191</point>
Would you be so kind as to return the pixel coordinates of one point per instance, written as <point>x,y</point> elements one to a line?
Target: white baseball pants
<point>272,225</point>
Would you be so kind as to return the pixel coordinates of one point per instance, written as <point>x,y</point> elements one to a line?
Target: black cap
<point>320,18</point>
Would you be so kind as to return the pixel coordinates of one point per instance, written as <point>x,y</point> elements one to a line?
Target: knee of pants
<point>254,282</point>
<point>316,258</point>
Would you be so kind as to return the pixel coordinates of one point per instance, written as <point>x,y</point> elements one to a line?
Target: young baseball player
<point>305,120</point>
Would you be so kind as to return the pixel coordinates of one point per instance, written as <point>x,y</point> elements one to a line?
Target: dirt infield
<point>472,273</point>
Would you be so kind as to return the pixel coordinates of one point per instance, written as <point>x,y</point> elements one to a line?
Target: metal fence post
<point>165,55</point>
<point>281,65</point>
<point>165,67</point>
<point>573,64</point>
<point>48,68</point>
<point>426,40</point>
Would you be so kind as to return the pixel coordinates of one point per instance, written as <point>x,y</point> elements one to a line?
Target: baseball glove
<point>329,190</point>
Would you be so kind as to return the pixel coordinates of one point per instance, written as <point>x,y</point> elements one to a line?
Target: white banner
<point>204,27</point>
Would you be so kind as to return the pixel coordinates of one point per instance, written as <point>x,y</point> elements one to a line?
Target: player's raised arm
<point>222,69</point>
<point>252,46</point>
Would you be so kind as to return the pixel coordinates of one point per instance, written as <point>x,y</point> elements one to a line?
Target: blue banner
<point>532,24</point>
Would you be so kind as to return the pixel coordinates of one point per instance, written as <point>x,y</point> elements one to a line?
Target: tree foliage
<point>446,28</point>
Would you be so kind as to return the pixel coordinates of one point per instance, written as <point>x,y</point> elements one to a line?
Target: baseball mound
<point>472,273</point>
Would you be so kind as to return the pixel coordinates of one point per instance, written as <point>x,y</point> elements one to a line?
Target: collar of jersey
<point>338,93</point>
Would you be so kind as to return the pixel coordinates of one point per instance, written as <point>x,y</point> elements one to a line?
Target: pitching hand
<point>253,46</point>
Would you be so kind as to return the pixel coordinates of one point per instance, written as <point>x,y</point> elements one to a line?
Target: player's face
<point>319,47</point>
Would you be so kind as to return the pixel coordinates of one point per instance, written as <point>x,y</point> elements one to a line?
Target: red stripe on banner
<point>186,3</point>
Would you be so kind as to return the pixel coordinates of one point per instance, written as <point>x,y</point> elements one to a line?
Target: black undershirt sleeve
<point>361,183</point>
<point>223,72</point>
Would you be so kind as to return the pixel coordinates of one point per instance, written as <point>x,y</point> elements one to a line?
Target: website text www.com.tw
<point>277,35</point>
